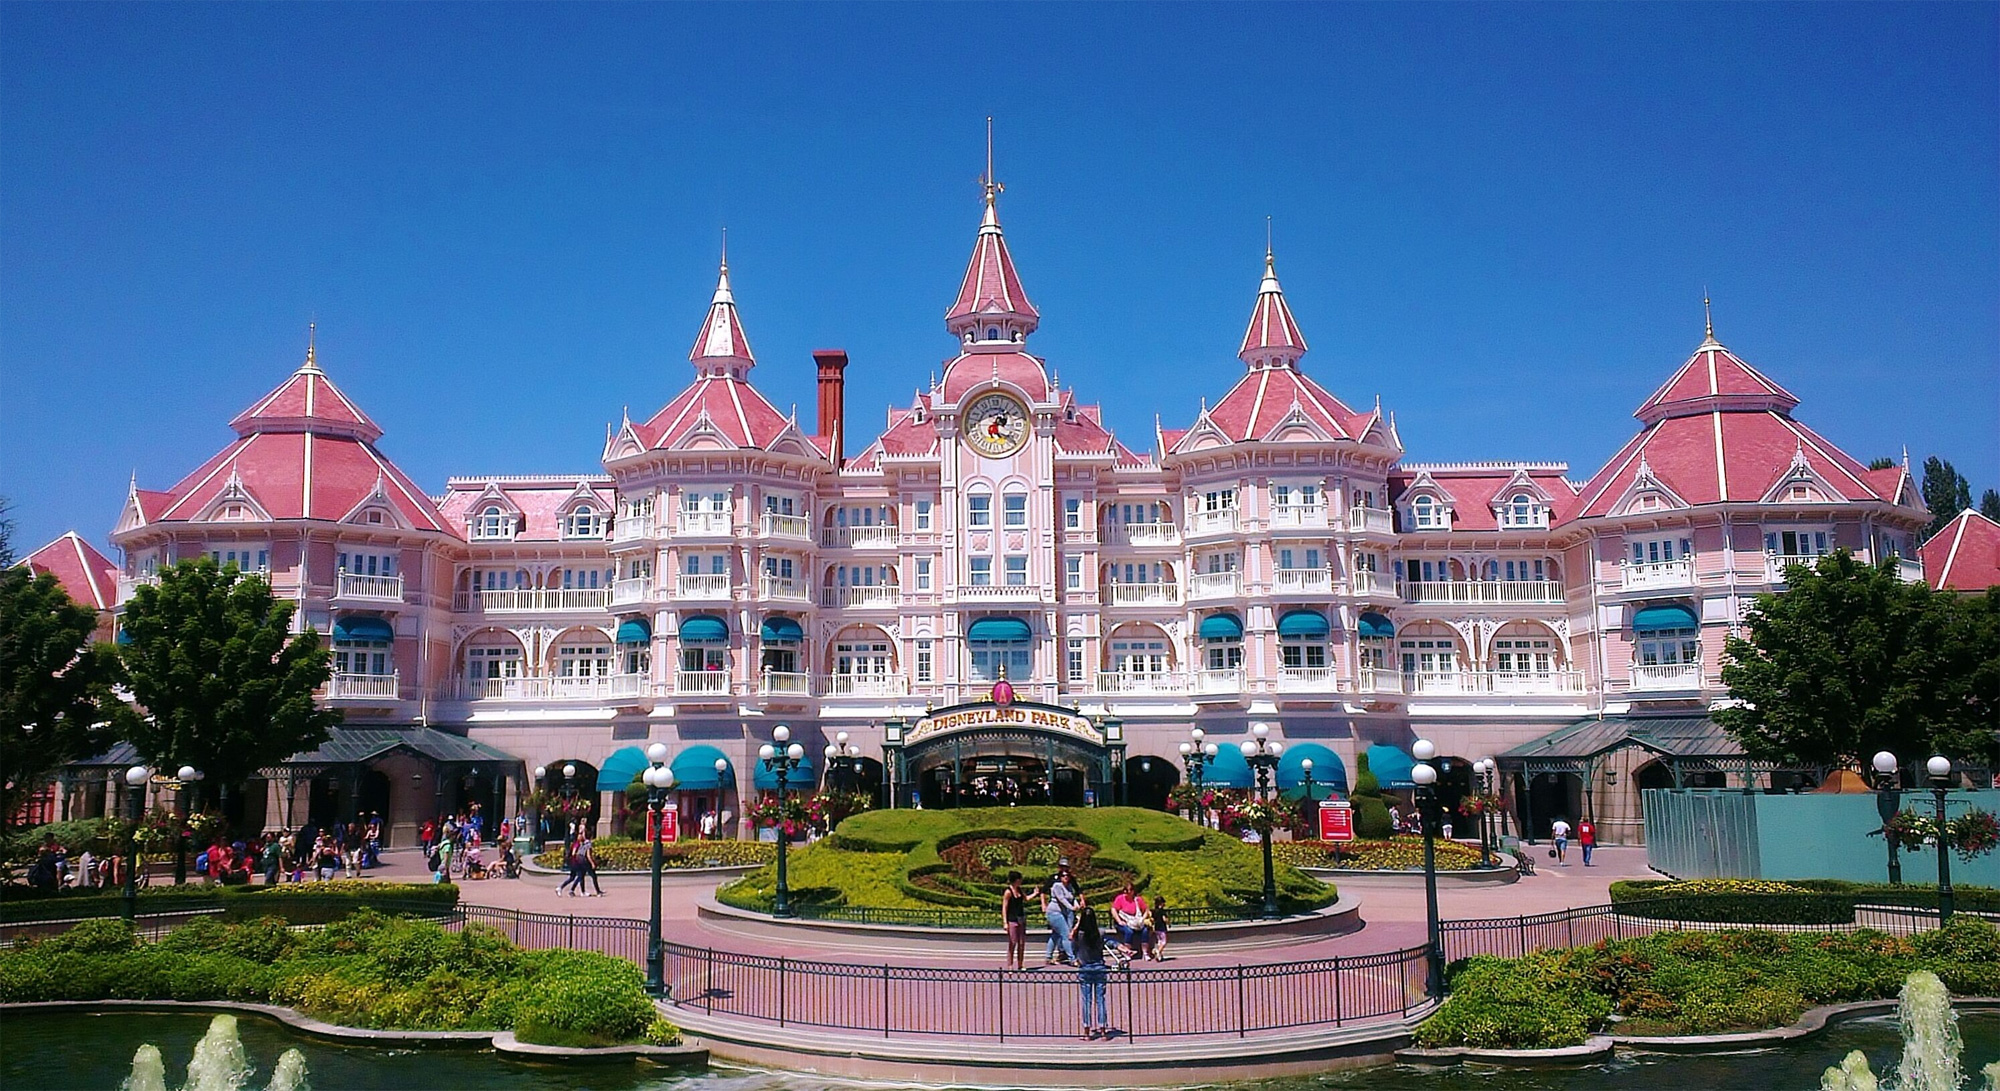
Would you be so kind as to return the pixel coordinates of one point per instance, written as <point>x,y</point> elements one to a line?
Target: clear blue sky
<point>504,217</point>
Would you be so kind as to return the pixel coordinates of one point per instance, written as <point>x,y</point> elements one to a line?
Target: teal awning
<point>1227,769</point>
<point>634,631</point>
<point>694,769</point>
<point>1652,619</point>
<point>704,629</point>
<point>1329,772</point>
<point>1221,627</point>
<point>362,628</point>
<point>619,769</point>
<point>781,630</point>
<point>1306,623</point>
<point>1391,766</point>
<point>1001,629</point>
<point>801,779</point>
<point>1374,625</point>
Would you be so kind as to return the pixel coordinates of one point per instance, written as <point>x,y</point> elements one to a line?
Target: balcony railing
<point>1142,682</point>
<point>1218,681</point>
<point>701,683</point>
<point>1210,585</point>
<point>628,591</point>
<point>1666,676</point>
<point>1552,682</point>
<point>1658,575</point>
<point>864,685</point>
<point>701,587</point>
<point>1302,581</point>
<point>880,597</point>
<point>860,537</point>
<point>1910,570</point>
<point>375,686</point>
<point>631,685</point>
<point>773,525</point>
<point>551,688</point>
<point>349,585</point>
<point>1364,582</point>
<point>1012,592</point>
<point>1307,680</point>
<point>703,524</point>
<point>783,683</point>
<point>1151,534</point>
<point>1219,521</point>
<point>1776,563</point>
<point>1378,680</point>
<point>129,584</point>
<point>1371,521</point>
<point>632,528</point>
<point>524,600</point>
<point>1484,592</point>
<point>1144,594</point>
<point>783,588</point>
<point>1298,515</point>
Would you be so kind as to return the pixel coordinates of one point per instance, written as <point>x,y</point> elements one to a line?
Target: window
<point>1432,656</point>
<point>1423,570</point>
<point>498,579</point>
<point>583,661</point>
<point>1016,507</point>
<point>781,504</point>
<point>1522,510</point>
<point>1221,562</point>
<point>639,568</point>
<point>583,522</point>
<point>979,511</point>
<point>1144,512</point>
<point>1218,500</point>
<point>1367,562</point>
<point>1667,647</point>
<point>923,573</point>
<point>778,566</point>
<point>1364,498</point>
<point>252,558</point>
<point>704,657</point>
<point>1663,550</point>
<point>493,522</point>
<point>924,513</point>
<point>990,656</point>
<point>1302,652</point>
<point>1139,656</point>
<point>1017,571</point>
<point>1796,543</point>
<point>1072,513</point>
<point>1524,656</point>
<point>1295,496</point>
<point>635,658</point>
<point>1519,571</point>
<point>1428,514</point>
<point>926,660</point>
<point>714,503</point>
<point>1074,663</point>
<point>1292,560</point>
<point>493,662</point>
<point>1139,572</point>
<point>638,507</point>
<point>1073,573</point>
<point>1223,655</point>
<point>868,658</point>
<point>981,569</point>
<point>369,657</point>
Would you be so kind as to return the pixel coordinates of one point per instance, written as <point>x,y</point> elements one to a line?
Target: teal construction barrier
<point>1719,833</point>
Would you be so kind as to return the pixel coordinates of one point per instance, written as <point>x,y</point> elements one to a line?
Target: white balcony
<point>1484,592</point>
<point>1298,515</point>
<point>701,683</point>
<point>1302,581</point>
<point>1000,592</point>
<point>629,591</point>
<point>631,685</point>
<point>1361,581</point>
<point>701,587</point>
<point>377,687</point>
<point>129,584</point>
<point>358,588</point>
<point>1550,682</point>
<point>1433,682</point>
<point>1144,594</point>
<point>1151,534</point>
<point>523,600</point>
<point>883,597</point>
<point>783,589</point>
<point>1215,585</point>
<point>1910,570</point>
<point>1371,521</point>
<point>1141,683</point>
<point>1219,521</point>
<point>1665,677</point>
<point>864,685</point>
<point>876,537</point>
<point>783,683</point>
<point>632,528</point>
<point>546,688</point>
<point>1307,680</point>
<point>703,524</point>
<point>1218,681</point>
<point>1674,575</point>
<point>1776,563</point>
<point>1378,680</point>
<point>773,525</point>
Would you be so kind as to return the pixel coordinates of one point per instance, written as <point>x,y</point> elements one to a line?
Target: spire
<point>991,307</point>
<point>721,349</point>
<point>1708,324</point>
<point>1273,338</point>
<point>312,339</point>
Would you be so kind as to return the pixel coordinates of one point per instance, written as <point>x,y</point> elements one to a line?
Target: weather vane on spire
<point>312,339</point>
<point>991,188</point>
<point>1707,316</point>
<point>1267,239</point>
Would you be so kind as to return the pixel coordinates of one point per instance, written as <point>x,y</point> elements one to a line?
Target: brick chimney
<point>832,396</point>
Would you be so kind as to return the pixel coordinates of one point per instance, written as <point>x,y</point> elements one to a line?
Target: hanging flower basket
<point>1970,835</point>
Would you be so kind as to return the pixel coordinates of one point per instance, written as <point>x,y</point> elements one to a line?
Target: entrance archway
<point>988,753</point>
<point>1148,779</point>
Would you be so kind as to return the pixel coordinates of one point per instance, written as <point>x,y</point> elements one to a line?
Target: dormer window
<point>493,522</point>
<point>1427,513</point>
<point>583,522</point>
<point>993,333</point>
<point>1523,511</point>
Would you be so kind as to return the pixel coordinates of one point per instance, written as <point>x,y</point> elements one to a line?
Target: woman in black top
<point>1092,975</point>
<point>1014,914</point>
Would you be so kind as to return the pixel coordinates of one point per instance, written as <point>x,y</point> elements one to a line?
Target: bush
<point>1371,818</point>
<point>1762,901</point>
<point>299,903</point>
<point>583,998</point>
<point>638,855</point>
<point>1396,854</point>
<point>1536,1002</point>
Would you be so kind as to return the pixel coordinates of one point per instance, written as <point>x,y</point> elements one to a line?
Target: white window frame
<point>1014,510</point>
<point>923,513</point>
<point>923,578</point>
<point>493,523</point>
<point>979,511</point>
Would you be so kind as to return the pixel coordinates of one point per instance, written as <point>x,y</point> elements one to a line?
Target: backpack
<point>435,861</point>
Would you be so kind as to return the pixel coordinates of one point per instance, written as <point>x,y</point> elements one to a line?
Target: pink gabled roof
<point>721,342</point>
<point>973,370</point>
<point>542,501</point>
<point>1711,379</point>
<point>87,576</point>
<point>723,403</point>
<point>992,286</point>
<point>307,401</point>
<point>1965,555</point>
<point>1272,332</point>
<point>1085,434</point>
<point>1475,488</point>
<point>1265,396</point>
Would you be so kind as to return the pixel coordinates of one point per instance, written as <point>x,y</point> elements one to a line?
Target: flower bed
<point>1673,983</point>
<point>679,855</point>
<point>1395,854</point>
<point>298,903</point>
<point>366,970</point>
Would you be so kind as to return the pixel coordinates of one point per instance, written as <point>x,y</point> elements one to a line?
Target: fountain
<point>219,1064</point>
<point>1931,1046</point>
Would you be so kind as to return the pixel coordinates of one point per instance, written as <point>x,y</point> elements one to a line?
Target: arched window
<point>583,521</point>
<point>1427,513</point>
<point>493,522</point>
<point>1000,643</point>
<point>1015,506</point>
<point>1521,510</point>
<point>993,333</point>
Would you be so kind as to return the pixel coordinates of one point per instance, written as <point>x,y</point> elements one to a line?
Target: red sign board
<point>1336,820</point>
<point>665,824</point>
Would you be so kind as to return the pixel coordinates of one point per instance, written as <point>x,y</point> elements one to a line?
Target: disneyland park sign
<point>978,717</point>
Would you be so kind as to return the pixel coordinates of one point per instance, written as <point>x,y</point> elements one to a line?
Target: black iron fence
<point>989,919</point>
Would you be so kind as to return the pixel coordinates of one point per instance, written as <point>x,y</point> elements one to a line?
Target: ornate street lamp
<point>1427,808</point>
<point>136,778</point>
<point>659,782</point>
<point>1939,767</point>
<point>1482,772</point>
<point>1261,752</point>
<point>569,797</point>
<point>841,758</point>
<point>182,785</point>
<point>1306,767</point>
<point>721,770</point>
<point>1888,800</point>
<point>781,760</point>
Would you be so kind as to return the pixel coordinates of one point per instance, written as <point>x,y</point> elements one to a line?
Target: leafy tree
<point>220,681</point>
<point>1946,493</point>
<point>55,684</point>
<point>6,534</point>
<point>1852,660</point>
<point>1989,505</point>
<point>1881,462</point>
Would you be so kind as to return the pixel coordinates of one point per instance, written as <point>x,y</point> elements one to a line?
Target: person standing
<point>1092,975</point>
<point>1014,915</point>
<point>1586,839</point>
<point>589,867</point>
<point>273,858</point>
<point>1060,904</point>
<point>1559,830</point>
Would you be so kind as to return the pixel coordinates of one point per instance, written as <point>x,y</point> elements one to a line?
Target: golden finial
<point>1707,315</point>
<point>991,188</point>
<point>312,339</point>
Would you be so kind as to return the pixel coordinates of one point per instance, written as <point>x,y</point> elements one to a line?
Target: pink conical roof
<point>307,401</point>
<point>1273,338</point>
<point>1714,378</point>
<point>721,347</point>
<point>992,288</point>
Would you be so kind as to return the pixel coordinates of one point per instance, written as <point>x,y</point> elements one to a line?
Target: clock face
<point>996,424</point>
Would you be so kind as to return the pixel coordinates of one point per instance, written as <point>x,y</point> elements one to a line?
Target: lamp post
<point>1427,808</point>
<point>659,781</point>
<point>136,779</point>
<point>781,760</point>
<point>1939,767</point>
<point>535,811</point>
<point>721,770</point>
<point>569,797</point>
<point>1482,772</point>
<point>1261,752</point>
<point>1888,800</point>
<point>182,785</point>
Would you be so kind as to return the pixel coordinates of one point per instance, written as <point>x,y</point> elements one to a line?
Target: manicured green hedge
<point>298,903</point>
<point>365,970</point>
<point>638,855</point>
<point>1674,983</point>
<point>1792,901</point>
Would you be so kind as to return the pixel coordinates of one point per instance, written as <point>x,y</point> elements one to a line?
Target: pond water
<point>61,1052</point>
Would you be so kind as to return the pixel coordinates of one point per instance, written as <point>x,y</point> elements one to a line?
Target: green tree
<point>1989,505</point>
<point>1851,660</point>
<point>220,680</point>
<point>1882,462</point>
<point>55,684</point>
<point>6,534</point>
<point>1946,493</point>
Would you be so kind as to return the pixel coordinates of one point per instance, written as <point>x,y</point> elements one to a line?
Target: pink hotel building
<point>1275,560</point>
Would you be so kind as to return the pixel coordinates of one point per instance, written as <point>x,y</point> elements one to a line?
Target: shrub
<point>582,998</point>
<point>1371,818</point>
<point>638,855</point>
<point>299,903</point>
<point>1536,1002</point>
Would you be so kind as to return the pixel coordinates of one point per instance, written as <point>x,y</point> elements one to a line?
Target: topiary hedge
<point>1792,901</point>
<point>298,903</point>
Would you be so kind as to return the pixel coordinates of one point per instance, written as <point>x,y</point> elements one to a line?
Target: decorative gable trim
<point>703,435</point>
<point>1205,434</point>
<point>1298,427</point>
<point>624,443</point>
<point>1646,484</point>
<point>1800,483</point>
<point>377,501</point>
<point>1425,487</point>
<point>233,492</point>
<point>1519,484</point>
